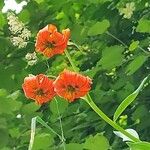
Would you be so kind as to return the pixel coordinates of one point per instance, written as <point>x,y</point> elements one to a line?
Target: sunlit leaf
<point>143,26</point>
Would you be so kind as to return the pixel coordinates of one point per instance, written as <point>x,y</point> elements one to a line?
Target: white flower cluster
<point>127,12</point>
<point>20,34</point>
<point>31,58</point>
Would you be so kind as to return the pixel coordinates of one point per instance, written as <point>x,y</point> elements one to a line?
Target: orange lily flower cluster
<point>69,85</point>
<point>51,42</point>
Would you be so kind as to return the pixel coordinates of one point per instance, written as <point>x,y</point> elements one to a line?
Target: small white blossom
<point>31,58</point>
<point>20,34</point>
<point>15,26</point>
<point>26,34</point>
<point>18,116</point>
<point>127,12</point>
<point>18,41</point>
<point>32,62</point>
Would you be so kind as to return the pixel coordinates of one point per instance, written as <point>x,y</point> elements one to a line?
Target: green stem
<point>61,127</point>
<point>125,45</point>
<point>89,100</point>
<point>70,60</point>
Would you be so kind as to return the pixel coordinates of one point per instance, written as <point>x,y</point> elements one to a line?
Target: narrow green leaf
<point>128,100</point>
<point>136,64</point>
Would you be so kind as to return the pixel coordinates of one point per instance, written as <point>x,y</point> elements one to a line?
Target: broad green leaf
<point>42,141</point>
<point>62,104</point>
<point>143,26</point>
<point>99,28</point>
<point>74,146</point>
<point>96,142</point>
<point>139,145</point>
<point>136,64</point>
<point>127,101</point>
<point>111,57</point>
<point>133,45</point>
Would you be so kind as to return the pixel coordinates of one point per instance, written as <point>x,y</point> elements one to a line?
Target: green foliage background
<point>116,68</point>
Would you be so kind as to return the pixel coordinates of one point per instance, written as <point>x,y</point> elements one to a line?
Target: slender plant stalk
<point>70,60</point>
<point>89,100</point>
<point>61,127</point>
<point>125,45</point>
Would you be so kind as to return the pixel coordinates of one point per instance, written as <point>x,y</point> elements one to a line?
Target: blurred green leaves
<point>99,28</point>
<point>4,137</point>
<point>111,57</point>
<point>9,104</point>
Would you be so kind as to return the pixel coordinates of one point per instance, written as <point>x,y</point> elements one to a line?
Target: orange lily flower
<point>71,85</point>
<point>39,88</point>
<point>50,42</point>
